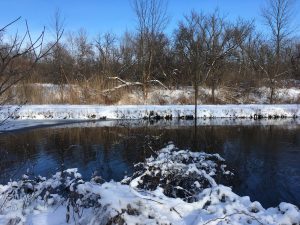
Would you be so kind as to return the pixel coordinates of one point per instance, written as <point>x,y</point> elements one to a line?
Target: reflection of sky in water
<point>265,158</point>
<point>268,164</point>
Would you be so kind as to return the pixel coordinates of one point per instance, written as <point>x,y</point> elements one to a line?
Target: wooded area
<point>205,49</point>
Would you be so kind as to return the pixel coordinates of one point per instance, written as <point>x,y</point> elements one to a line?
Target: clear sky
<point>99,16</point>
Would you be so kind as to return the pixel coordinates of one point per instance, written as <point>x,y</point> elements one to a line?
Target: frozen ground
<point>93,112</point>
<point>153,195</point>
<point>46,115</point>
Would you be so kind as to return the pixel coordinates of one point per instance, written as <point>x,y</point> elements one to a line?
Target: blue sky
<point>99,16</point>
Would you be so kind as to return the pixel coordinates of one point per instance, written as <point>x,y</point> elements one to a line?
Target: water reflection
<point>266,158</point>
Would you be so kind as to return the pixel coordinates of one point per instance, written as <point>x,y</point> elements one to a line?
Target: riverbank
<point>96,112</point>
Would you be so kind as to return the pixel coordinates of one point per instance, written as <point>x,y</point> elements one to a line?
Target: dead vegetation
<point>221,61</point>
<point>91,92</point>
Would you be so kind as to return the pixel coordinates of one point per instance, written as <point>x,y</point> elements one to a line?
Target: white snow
<point>93,112</point>
<point>185,95</point>
<point>47,115</point>
<point>116,203</point>
<point>261,95</point>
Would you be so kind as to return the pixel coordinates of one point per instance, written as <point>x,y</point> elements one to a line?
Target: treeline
<point>204,49</point>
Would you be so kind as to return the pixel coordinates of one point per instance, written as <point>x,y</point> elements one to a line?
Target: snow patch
<point>96,112</point>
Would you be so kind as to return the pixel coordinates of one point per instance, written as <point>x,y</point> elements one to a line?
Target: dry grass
<point>183,100</point>
<point>83,92</point>
<point>91,92</point>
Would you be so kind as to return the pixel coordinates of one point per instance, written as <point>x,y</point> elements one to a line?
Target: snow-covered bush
<point>180,173</point>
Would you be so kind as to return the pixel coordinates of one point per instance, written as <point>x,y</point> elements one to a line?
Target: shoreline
<point>97,112</point>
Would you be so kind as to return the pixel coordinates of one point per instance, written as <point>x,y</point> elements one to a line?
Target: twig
<point>3,28</point>
<point>232,214</point>
<point>173,209</point>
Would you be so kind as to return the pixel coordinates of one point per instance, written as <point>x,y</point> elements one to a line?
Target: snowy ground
<point>185,95</point>
<point>46,115</point>
<point>153,195</point>
<point>94,112</point>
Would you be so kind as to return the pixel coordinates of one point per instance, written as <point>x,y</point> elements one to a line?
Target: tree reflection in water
<point>265,158</point>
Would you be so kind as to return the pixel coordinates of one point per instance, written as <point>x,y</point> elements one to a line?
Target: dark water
<point>266,158</point>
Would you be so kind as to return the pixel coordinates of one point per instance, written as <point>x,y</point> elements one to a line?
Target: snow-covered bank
<point>14,125</point>
<point>95,112</point>
<point>153,195</point>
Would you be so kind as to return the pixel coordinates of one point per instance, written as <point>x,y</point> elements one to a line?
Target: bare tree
<point>295,61</point>
<point>127,54</point>
<point>205,42</point>
<point>19,56</point>
<point>152,19</point>
<point>84,55</point>
<point>59,53</point>
<point>147,44</point>
<point>278,15</point>
<point>108,55</point>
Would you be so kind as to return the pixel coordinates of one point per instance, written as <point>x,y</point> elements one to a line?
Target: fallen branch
<point>129,84</point>
<point>123,85</point>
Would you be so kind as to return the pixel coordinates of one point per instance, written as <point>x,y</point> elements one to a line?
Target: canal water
<point>265,158</point>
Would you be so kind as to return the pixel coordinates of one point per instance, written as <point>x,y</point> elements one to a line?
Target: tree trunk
<point>213,92</point>
<point>196,101</point>
<point>196,112</point>
<point>145,87</point>
<point>145,91</point>
<point>272,94</point>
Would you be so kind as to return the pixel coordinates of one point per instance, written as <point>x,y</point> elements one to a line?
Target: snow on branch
<point>160,83</point>
<point>129,84</point>
<point>122,85</point>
